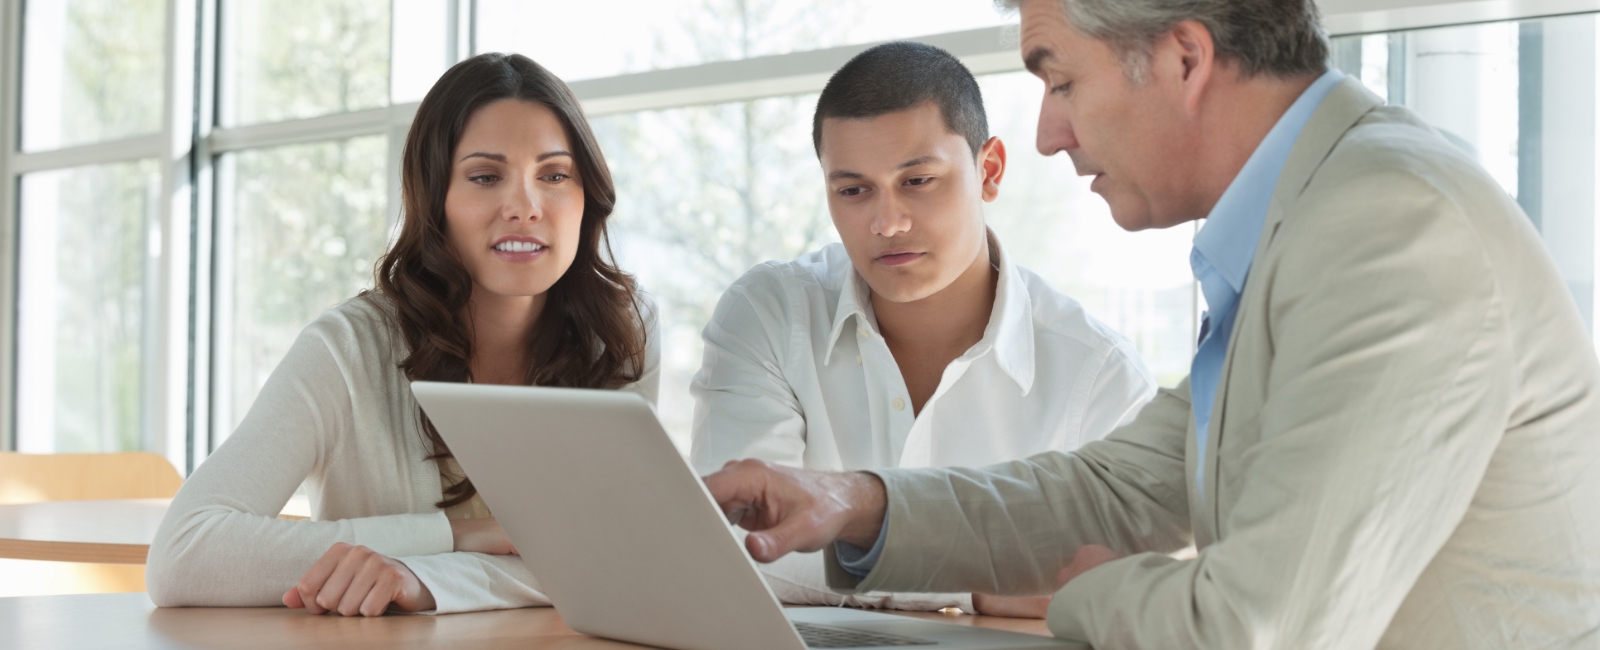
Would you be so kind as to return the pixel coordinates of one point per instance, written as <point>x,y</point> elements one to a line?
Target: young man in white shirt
<point>916,342</point>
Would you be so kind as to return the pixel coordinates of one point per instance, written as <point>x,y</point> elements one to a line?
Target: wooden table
<point>102,532</point>
<point>131,621</point>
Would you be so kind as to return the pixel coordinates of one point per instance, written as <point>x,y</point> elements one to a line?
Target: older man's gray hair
<point>1281,38</point>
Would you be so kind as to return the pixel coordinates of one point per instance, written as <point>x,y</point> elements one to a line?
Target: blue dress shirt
<point>1225,247</point>
<point>1223,251</point>
<point>857,561</point>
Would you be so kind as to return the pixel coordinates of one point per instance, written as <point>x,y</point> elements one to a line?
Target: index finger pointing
<point>734,487</point>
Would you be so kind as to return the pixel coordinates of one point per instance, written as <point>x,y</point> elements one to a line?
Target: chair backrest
<point>31,478</point>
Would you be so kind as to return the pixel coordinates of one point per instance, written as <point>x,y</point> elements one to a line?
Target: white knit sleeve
<point>221,543</point>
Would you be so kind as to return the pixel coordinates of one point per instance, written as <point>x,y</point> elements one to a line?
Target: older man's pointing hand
<point>789,509</point>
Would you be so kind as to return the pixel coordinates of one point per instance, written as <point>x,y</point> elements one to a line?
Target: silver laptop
<point>624,538</point>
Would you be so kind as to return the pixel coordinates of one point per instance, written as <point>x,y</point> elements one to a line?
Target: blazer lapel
<point>1345,105</point>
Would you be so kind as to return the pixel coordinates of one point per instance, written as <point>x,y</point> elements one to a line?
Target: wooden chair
<point>32,478</point>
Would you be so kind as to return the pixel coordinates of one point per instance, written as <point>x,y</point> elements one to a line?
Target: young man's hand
<point>355,580</point>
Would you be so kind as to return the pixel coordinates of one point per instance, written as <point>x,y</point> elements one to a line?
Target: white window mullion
<point>199,392</point>
<point>167,405</point>
<point>10,83</point>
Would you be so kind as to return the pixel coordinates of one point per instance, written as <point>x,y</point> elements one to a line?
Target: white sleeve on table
<point>221,543</point>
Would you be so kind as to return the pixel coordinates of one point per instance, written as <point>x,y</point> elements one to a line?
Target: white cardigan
<point>338,415</point>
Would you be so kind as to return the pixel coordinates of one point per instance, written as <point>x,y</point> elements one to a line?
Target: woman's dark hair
<point>589,335</point>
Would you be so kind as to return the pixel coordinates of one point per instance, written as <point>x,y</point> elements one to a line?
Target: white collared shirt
<point>796,372</point>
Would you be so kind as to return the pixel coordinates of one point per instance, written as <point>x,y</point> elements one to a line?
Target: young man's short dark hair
<point>897,76</point>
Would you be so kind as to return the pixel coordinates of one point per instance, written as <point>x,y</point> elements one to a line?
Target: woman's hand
<point>355,580</point>
<point>481,536</point>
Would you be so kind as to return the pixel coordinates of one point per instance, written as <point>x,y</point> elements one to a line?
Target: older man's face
<point>1130,137</point>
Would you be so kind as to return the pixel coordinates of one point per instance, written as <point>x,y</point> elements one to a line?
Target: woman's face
<point>515,201</point>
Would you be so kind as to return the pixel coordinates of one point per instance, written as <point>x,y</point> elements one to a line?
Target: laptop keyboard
<point>824,636</point>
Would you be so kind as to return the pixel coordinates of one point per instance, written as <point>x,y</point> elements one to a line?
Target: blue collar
<point>1226,244</point>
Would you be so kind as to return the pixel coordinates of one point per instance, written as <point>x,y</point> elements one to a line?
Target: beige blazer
<point>1404,450</point>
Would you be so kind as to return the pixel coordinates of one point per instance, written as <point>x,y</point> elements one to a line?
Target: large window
<point>189,183</point>
<point>87,235</point>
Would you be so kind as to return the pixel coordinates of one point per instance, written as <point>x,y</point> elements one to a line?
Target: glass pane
<point>1518,97</point>
<point>86,310</point>
<point>1139,284</point>
<point>92,70</point>
<point>610,38</point>
<point>322,57</point>
<point>299,231</point>
<point>703,194</point>
<point>423,47</point>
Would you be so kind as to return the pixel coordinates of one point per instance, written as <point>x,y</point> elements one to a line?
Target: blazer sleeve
<point>1392,377</point>
<point>1009,528</point>
<point>221,543</point>
<point>744,406</point>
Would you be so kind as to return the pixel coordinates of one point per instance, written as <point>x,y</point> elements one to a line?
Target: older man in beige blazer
<point>1403,447</point>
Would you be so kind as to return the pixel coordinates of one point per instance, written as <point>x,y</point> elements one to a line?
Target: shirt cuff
<point>404,535</point>
<point>857,561</point>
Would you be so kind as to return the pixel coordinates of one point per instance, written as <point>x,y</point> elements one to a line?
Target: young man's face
<point>907,198</point>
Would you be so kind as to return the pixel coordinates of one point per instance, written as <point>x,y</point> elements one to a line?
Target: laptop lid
<point>622,534</point>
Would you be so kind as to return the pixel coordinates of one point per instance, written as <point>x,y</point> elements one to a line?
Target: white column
<point>10,76</point>
<point>36,314</point>
<point>45,25</point>
<point>1463,81</point>
<point>1568,164</point>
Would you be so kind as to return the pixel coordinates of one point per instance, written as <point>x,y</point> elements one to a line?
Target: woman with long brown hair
<point>502,274</point>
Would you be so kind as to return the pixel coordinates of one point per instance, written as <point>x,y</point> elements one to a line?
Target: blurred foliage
<point>303,58</point>
<point>103,300</point>
<point>110,84</point>
<point>105,81</point>
<point>707,192</point>
<point>305,226</point>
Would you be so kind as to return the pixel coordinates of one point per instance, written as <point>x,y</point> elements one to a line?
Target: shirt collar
<point>853,302</point>
<point>1009,332</point>
<point>1226,244</point>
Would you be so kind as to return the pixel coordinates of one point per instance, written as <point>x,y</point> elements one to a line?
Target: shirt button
<point>863,331</point>
<point>858,359</point>
<point>898,404</point>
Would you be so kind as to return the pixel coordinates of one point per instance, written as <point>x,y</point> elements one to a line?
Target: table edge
<point>55,551</point>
